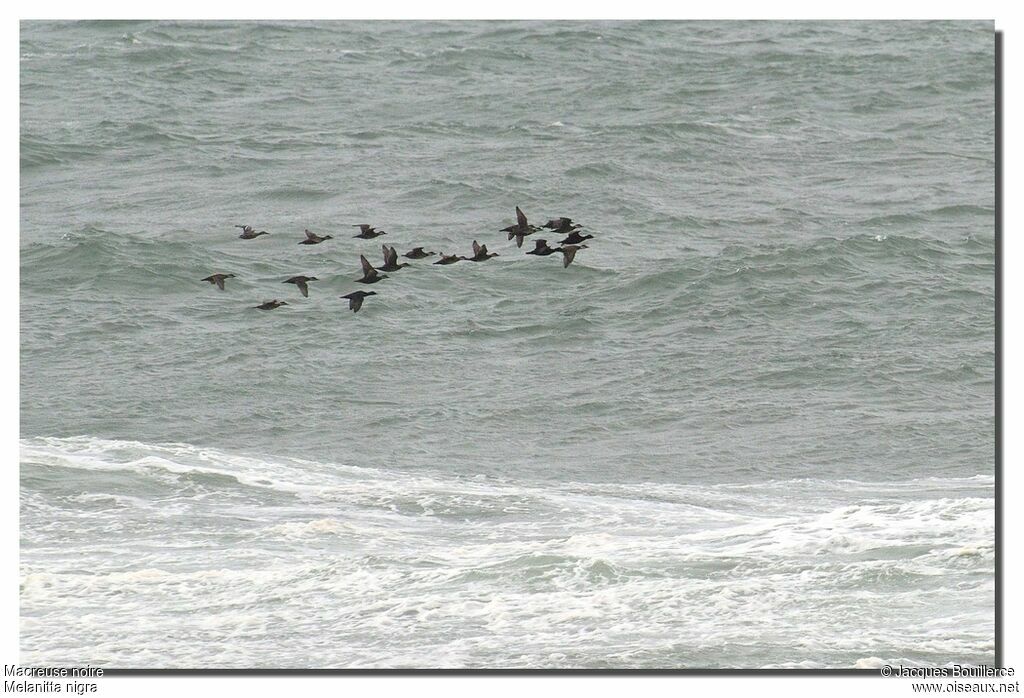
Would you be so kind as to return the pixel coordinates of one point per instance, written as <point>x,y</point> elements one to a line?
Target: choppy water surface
<point>751,425</point>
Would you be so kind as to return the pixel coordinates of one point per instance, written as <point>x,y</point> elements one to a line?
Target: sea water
<point>752,425</point>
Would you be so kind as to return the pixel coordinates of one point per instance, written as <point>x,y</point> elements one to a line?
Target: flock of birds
<point>568,248</point>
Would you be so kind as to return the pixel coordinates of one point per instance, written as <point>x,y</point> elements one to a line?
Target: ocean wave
<point>790,274</point>
<point>450,569</point>
<point>37,151</point>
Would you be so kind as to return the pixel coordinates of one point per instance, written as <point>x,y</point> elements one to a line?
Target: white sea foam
<point>298,563</point>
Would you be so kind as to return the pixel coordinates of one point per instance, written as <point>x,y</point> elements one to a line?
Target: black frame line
<point>998,431</point>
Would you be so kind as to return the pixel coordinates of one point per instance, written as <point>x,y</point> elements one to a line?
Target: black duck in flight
<point>271,305</point>
<point>391,259</point>
<point>248,233</point>
<point>355,299</point>
<point>370,275</point>
<point>313,239</point>
<point>569,253</point>
<point>480,253</point>
<point>418,253</point>
<point>301,282</point>
<point>541,248</point>
<point>219,279</point>
<point>575,238</point>
<point>449,259</point>
<point>562,225</point>
<point>521,229</point>
<point>367,231</point>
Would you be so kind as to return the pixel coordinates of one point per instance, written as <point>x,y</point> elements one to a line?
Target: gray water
<point>750,426</point>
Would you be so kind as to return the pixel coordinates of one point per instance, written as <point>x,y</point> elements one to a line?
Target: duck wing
<point>521,217</point>
<point>569,252</point>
